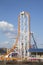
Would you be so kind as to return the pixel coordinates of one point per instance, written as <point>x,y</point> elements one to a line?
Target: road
<point>15,63</point>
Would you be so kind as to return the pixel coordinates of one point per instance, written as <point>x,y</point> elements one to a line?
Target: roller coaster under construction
<point>19,51</point>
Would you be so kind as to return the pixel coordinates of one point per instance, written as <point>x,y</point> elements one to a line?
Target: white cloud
<point>5,25</point>
<point>7,29</point>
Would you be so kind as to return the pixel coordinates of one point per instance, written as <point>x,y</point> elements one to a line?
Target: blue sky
<point>9,11</point>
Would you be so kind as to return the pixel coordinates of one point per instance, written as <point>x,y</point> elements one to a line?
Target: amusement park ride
<point>19,51</point>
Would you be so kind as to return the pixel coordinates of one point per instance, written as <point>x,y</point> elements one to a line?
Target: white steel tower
<point>24,34</point>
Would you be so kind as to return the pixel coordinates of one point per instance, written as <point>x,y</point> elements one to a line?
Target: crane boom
<point>35,44</point>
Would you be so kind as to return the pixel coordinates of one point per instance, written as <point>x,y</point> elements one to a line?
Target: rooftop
<point>36,50</point>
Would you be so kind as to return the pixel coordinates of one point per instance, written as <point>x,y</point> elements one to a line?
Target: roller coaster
<point>23,40</point>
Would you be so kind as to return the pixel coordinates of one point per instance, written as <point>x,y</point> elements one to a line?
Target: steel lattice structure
<point>24,34</point>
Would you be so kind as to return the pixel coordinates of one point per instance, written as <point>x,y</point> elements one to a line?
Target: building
<point>3,51</point>
<point>38,52</point>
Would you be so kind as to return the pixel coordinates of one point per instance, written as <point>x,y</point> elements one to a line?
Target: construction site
<point>23,50</point>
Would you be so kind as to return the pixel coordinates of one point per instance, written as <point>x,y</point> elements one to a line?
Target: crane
<point>35,43</point>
